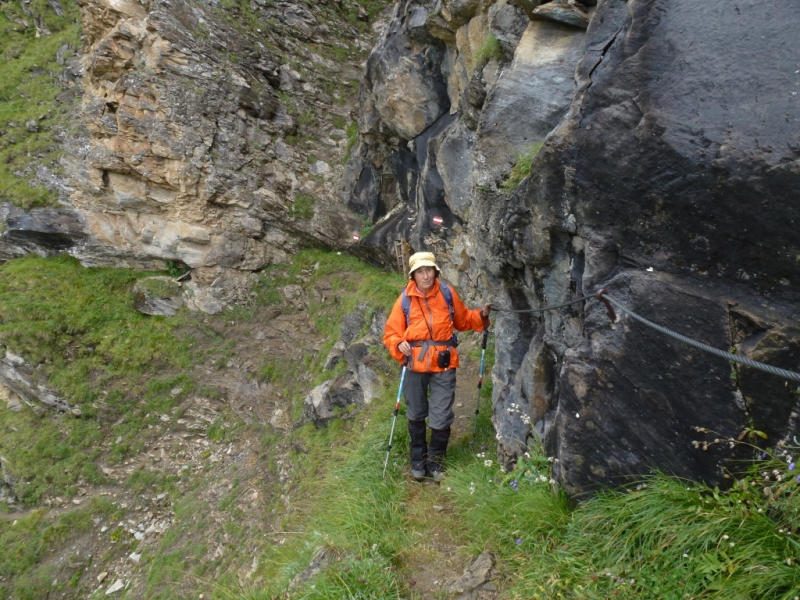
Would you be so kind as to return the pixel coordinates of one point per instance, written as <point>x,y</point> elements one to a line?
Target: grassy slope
<point>28,89</point>
<point>664,540</point>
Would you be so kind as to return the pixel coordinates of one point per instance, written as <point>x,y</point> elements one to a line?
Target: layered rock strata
<point>207,136</point>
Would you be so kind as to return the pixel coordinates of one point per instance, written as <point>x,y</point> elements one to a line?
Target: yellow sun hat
<point>421,259</point>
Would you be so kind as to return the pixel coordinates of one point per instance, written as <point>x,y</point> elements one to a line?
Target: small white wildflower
<point>685,555</point>
<point>550,459</point>
<point>577,415</point>
<point>487,463</point>
<point>732,544</point>
<point>760,510</point>
<point>527,455</point>
<point>725,537</point>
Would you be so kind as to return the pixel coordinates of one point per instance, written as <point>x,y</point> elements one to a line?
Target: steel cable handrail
<point>790,375</point>
<point>603,296</point>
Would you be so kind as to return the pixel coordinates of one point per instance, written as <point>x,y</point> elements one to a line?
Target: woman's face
<point>424,278</point>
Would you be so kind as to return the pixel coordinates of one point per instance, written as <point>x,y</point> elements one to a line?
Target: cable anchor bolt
<point>601,296</point>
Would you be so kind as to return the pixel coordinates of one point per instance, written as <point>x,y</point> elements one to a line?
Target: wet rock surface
<point>676,199</point>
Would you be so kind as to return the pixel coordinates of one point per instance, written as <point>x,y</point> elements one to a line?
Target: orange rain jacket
<point>432,309</point>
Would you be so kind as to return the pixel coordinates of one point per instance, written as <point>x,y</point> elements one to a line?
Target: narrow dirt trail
<point>438,558</point>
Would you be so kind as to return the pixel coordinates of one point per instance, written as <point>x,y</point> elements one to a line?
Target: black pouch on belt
<point>443,359</point>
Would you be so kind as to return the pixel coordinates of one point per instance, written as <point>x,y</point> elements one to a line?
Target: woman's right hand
<point>405,348</point>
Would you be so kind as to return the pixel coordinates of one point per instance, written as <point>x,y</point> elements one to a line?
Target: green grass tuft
<point>491,49</point>
<point>522,168</point>
<point>664,538</point>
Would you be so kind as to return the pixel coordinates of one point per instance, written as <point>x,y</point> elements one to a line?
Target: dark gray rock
<point>326,400</point>
<point>679,202</point>
<point>44,231</point>
<point>21,379</point>
<point>508,23</point>
<point>408,92</point>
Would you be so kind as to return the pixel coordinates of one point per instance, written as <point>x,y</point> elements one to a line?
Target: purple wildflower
<point>797,479</point>
<point>519,541</point>
<point>791,466</point>
<point>763,455</point>
<point>514,486</point>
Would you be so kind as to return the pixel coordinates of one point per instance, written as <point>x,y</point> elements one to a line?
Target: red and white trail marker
<point>356,237</point>
<point>438,221</point>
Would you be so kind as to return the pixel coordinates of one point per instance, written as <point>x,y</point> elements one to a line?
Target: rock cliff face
<point>208,135</point>
<point>669,156</point>
<point>645,146</point>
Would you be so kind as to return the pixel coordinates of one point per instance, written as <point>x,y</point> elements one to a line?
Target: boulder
<point>158,296</point>
<point>409,91</point>
<point>476,578</point>
<point>562,12</point>
<point>321,404</point>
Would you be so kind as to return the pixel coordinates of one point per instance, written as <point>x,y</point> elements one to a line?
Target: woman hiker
<point>421,327</point>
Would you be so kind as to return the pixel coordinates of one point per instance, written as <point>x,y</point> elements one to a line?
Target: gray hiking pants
<point>438,407</point>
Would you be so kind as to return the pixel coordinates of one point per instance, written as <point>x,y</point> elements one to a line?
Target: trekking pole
<point>480,379</point>
<point>394,419</point>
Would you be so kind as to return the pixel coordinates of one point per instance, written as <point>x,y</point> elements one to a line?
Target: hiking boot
<point>437,476</point>
<point>418,474</point>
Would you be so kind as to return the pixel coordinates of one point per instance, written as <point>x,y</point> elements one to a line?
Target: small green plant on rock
<point>491,49</point>
<point>352,138</point>
<point>522,168</point>
<point>303,206</point>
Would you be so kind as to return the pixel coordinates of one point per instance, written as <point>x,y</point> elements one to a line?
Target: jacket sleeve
<point>395,331</point>
<point>464,318</point>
